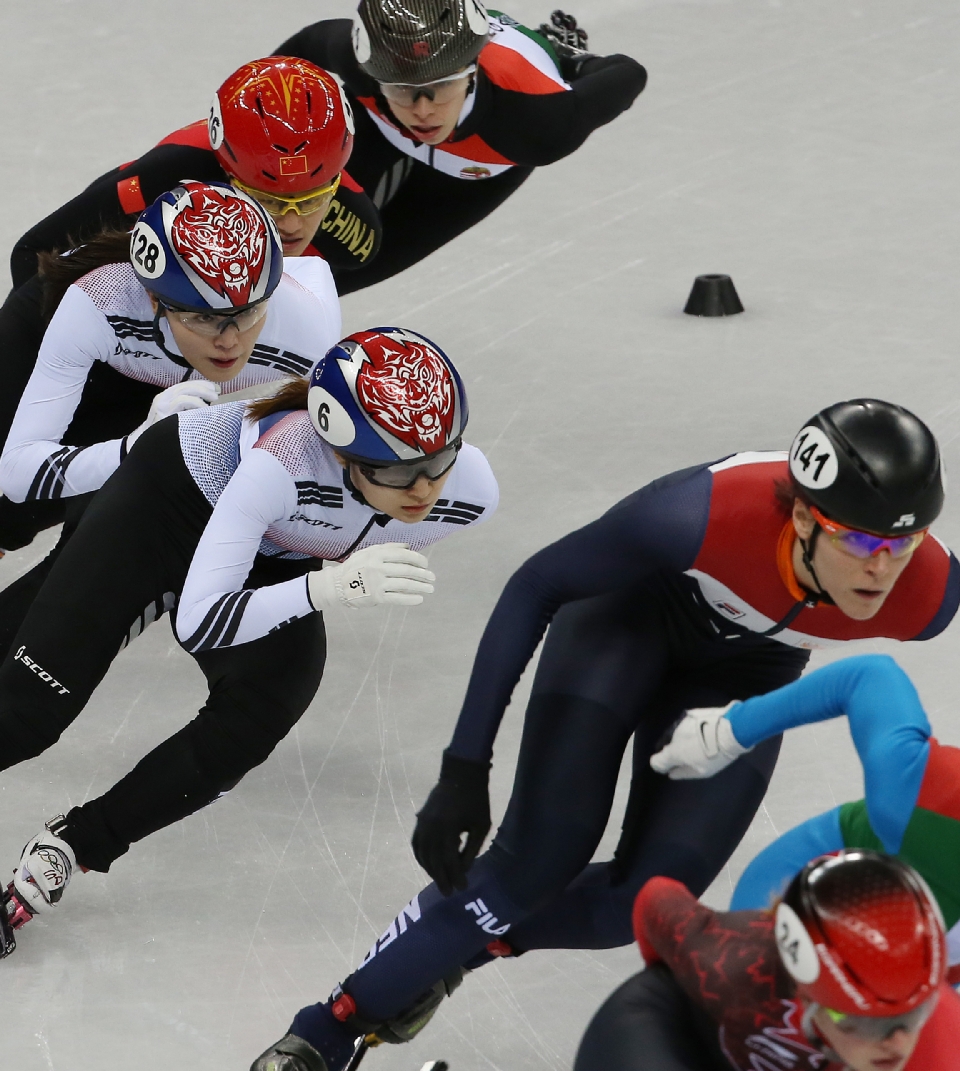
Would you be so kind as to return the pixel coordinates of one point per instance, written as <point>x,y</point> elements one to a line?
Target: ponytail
<point>292,395</point>
<point>59,269</point>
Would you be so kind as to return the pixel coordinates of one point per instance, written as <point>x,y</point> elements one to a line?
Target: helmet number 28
<point>813,460</point>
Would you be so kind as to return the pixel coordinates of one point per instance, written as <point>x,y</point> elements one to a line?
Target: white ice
<point>806,147</point>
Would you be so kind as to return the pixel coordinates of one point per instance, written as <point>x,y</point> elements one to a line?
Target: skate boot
<point>405,1025</point>
<point>46,866</point>
<point>290,1054</point>
<point>293,1053</point>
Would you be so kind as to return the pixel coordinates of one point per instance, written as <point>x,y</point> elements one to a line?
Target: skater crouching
<point>197,301</point>
<point>225,514</point>
<point>280,130</point>
<point>711,582</point>
<point>455,108</point>
<point>911,808</point>
<point>846,973</point>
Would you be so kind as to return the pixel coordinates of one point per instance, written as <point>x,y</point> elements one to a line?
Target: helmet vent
<point>862,467</point>
<point>419,43</point>
<point>288,107</point>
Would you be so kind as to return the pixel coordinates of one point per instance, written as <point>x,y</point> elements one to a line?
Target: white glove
<point>194,394</point>
<point>388,573</point>
<point>702,745</point>
<point>45,869</point>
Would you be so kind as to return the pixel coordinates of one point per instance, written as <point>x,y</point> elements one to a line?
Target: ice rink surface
<point>806,147</point>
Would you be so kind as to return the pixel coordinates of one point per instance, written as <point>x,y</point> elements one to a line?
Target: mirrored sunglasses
<point>864,544</point>
<point>304,204</point>
<point>440,91</point>
<point>879,1028</point>
<point>403,476</point>
<point>211,324</point>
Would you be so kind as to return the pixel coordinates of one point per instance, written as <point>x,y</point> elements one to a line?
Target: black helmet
<point>869,465</point>
<point>418,41</point>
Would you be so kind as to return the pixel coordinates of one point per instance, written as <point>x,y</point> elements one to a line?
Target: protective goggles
<point>440,91</point>
<point>212,324</point>
<point>879,1028</point>
<point>863,544</point>
<point>403,476</point>
<point>304,204</point>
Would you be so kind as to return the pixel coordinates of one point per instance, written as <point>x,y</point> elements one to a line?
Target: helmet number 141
<point>813,461</point>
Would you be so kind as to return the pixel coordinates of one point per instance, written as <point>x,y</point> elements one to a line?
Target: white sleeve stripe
<point>221,622</point>
<point>50,479</point>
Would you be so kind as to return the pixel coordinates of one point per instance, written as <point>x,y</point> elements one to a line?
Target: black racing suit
<point>117,198</point>
<point>128,557</point>
<point>421,207</point>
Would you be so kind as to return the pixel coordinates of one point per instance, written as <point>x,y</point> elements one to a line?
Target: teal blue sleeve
<point>768,876</point>
<point>887,722</point>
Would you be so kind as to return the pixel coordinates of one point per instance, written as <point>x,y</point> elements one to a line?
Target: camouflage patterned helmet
<point>418,41</point>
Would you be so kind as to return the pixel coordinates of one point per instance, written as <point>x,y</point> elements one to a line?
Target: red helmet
<point>861,934</point>
<point>281,125</point>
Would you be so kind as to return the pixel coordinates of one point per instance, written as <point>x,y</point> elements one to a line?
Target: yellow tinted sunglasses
<point>304,204</point>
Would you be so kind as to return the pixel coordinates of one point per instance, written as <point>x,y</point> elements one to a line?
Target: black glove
<point>458,804</point>
<point>569,43</point>
<point>562,29</point>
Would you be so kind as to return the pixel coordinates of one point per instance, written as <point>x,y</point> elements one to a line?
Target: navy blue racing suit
<point>681,596</point>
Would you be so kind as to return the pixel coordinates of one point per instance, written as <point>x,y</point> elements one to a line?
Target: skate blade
<point>14,914</point>
<point>435,1065</point>
<point>8,941</point>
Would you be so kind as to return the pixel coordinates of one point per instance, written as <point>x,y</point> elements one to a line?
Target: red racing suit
<point>716,534</point>
<point>727,964</point>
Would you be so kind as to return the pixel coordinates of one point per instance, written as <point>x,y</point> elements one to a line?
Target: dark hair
<point>784,493</point>
<point>292,395</point>
<point>60,268</point>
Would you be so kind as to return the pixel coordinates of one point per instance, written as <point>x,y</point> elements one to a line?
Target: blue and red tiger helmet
<point>387,395</point>
<point>206,246</point>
